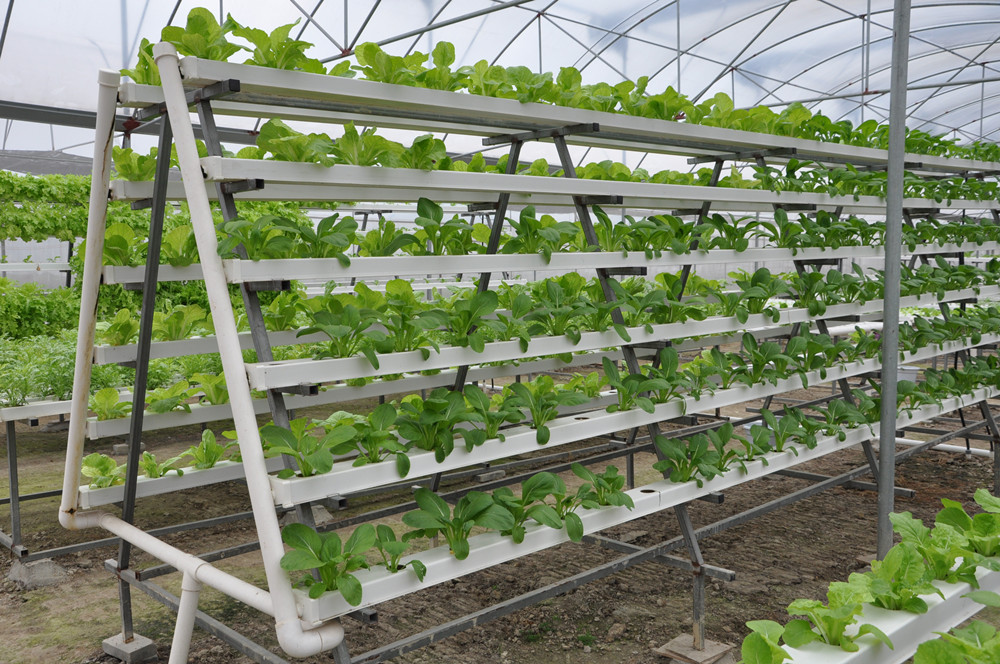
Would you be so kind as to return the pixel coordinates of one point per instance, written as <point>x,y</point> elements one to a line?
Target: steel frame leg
<point>251,301</point>
<point>698,591</point>
<point>15,497</point>
<point>631,361</point>
<point>142,365</point>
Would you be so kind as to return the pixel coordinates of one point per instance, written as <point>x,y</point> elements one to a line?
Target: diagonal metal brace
<point>503,139</point>
<point>744,155</point>
<point>712,571</point>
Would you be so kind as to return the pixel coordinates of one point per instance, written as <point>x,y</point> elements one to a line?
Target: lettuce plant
<point>828,623</point>
<point>436,517</point>
<point>179,247</point>
<point>352,331</point>
<point>468,320</point>
<point>334,560</point>
<point>153,469</point>
<point>179,323</point>
<point>107,404</point>
<point>286,144</point>
<point>491,414</point>
<point>102,470</point>
<point>384,240</point>
<point>277,50</point>
<point>375,440</point>
<point>120,330</point>
<point>312,454</point>
<point>542,399</point>
<point>208,452</point>
<point>202,36</point>
<point>262,238</point>
<point>166,399</point>
<point>981,531</point>
<point>531,503</point>
<point>606,488</point>
<point>391,551</point>
<point>429,424</point>
<point>213,388</point>
<point>631,389</point>
<point>977,643</point>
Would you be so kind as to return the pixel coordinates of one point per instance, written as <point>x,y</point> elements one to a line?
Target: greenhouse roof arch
<point>830,56</point>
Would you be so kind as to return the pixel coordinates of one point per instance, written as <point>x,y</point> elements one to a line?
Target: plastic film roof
<point>832,56</point>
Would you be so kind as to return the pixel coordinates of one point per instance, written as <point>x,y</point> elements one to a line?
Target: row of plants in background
<point>42,366</point>
<point>268,236</point>
<point>756,362</point>
<point>370,323</point>
<point>34,208</point>
<point>950,552</point>
<point>28,309</point>
<point>280,142</point>
<point>445,417</point>
<point>544,499</point>
<point>104,471</point>
<point>204,37</point>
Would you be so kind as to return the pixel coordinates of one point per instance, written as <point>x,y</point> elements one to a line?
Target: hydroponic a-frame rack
<point>306,626</point>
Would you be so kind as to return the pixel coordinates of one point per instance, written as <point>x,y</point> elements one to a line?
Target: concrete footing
<point>137,651</point>
<point>36,574</point>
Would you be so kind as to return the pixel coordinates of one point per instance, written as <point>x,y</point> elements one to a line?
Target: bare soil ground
<point>790,553</point>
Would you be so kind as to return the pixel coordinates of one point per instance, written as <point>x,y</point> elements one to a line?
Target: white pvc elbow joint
<point>297,641</point>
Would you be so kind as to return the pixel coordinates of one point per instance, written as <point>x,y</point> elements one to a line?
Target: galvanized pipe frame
<point>688,529</point>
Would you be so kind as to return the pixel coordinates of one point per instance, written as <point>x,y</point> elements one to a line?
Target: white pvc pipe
<point>107,101</point>
<point>186,610</point>
<point>293,639</point>
<point>944,447</point>
<point>69,516</point>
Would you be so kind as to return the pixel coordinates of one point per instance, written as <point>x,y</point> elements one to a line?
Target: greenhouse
<point>513,331</point>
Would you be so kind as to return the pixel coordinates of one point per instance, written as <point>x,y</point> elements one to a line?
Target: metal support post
<point>251,300</point>
<point>698,594</point>
<point>493,244</point>
<point>893,251</point>
<point>15,502</point>
<point>142,365</point>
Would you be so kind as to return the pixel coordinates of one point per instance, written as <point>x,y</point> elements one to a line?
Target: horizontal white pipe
<point>944,447</point>
<point>34,267</point>
<point>211,576</point>
<point>238,271</point>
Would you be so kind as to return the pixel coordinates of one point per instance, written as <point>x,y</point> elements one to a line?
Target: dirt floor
<point>792,552</point>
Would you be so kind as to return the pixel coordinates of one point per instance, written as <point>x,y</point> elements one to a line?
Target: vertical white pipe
<point>293,639</point>
<point>183,628</point>
<point>107,102</point>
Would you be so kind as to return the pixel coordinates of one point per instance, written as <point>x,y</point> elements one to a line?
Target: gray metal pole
<point>893,248</point>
